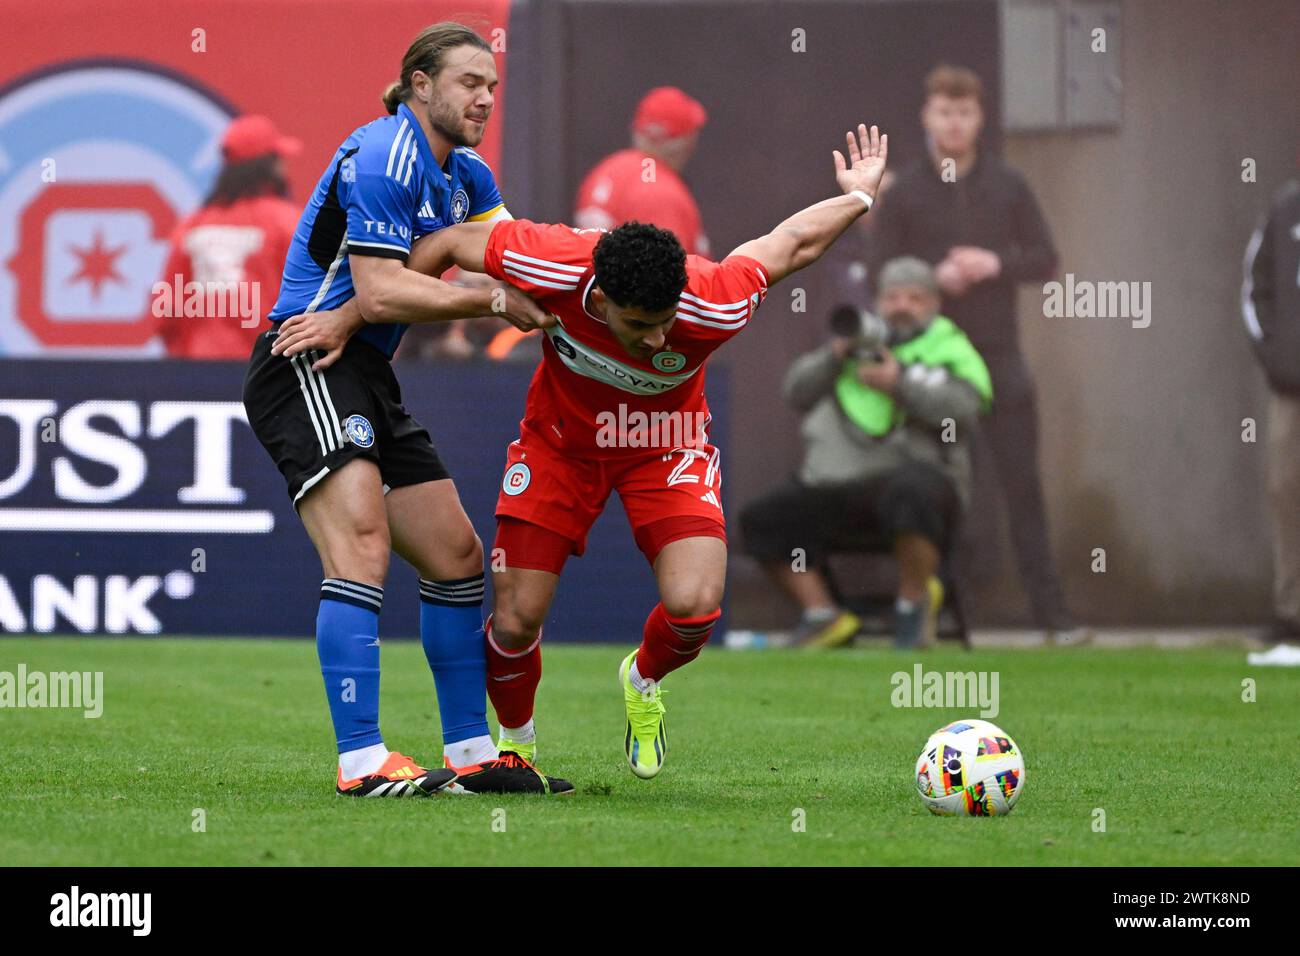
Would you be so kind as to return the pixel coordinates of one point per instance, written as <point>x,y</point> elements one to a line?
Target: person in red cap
<point>643,182</point>
<point>223,269</point>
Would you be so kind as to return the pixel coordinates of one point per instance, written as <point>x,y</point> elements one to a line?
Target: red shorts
<point>550,500</point>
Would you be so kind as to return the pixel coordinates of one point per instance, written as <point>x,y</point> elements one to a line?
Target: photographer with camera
<point>887,403</point>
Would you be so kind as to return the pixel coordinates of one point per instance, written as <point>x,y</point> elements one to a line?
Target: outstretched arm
<point>464,245</point>
<point>800,240</point>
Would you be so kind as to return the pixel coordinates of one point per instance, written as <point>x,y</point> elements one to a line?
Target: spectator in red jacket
<point>643,182</point>
<point>233,247</point>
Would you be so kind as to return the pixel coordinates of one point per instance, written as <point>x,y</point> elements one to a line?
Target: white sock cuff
<point>513,654</point>
<point>526,734</point>
<point>363,761</point>
<point>642,684</point>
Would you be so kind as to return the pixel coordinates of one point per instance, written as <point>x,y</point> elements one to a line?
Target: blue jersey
<point>382,190</point>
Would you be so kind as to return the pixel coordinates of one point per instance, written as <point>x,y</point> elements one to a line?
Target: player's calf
<point>513,673</point>
<point>670,641</point>
<point>512,637</point>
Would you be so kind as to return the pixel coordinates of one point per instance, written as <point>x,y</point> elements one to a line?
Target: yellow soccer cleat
<point>646,740</point>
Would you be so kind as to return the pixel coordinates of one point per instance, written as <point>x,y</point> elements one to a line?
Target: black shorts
<point>313,423</point>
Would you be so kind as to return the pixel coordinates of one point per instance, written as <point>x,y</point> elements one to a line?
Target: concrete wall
<point>1142,446</point>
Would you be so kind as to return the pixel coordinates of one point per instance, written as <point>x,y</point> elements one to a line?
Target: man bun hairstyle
<point>639,266</point>
<point>426,54</point>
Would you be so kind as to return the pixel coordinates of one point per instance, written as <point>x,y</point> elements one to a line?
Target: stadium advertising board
<point>134,499</point>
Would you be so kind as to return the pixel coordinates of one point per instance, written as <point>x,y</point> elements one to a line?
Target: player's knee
<point>458,554</point>
<point>467,553</point>
<point>693,599</point>
<point>361,555</point>
<point>372,550</point>
<point>514,629</point>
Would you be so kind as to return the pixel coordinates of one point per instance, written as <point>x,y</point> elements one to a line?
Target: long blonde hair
<point>426,53</point>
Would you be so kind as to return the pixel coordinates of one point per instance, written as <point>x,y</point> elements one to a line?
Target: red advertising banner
<point>110,128</point>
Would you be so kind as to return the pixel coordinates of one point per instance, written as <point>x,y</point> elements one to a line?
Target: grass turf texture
<point>1186,772</point>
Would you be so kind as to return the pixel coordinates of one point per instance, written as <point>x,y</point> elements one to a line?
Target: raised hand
<point>867,151</point>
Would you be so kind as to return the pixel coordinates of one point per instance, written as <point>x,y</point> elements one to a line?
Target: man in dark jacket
<point>975,220</point>
<point>1270,305</point>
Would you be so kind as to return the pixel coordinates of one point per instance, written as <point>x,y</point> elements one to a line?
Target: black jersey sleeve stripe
<point>382,252</point>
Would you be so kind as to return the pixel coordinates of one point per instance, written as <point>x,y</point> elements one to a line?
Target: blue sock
<point>451,629</point>
<point>347,642</point>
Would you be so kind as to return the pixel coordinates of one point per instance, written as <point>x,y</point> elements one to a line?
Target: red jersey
<point>241,246</point>
<point>589,397</point>
<point>616,191</point>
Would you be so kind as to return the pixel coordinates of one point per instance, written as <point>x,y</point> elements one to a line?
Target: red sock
<point>512,679</point>
<point>669,642</point>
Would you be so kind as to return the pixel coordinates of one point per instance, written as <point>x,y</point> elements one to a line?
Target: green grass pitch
<point>1186,772</point>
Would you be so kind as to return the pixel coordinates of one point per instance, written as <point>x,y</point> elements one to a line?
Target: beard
<point>456,128</point>
<point>903,327</point>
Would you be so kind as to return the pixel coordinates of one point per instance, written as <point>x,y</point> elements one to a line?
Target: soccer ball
<point>970,768</point>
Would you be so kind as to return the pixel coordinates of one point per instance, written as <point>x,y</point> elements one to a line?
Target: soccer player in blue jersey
<point>364,476</point>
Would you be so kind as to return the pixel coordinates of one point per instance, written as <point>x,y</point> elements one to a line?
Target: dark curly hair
<point>641,267</point>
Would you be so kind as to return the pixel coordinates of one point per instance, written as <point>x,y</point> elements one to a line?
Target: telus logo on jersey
<point>376,228</point>
<point>91,188</point>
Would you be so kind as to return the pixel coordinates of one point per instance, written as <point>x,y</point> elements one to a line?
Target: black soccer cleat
<point>508,773</point>
<point>400,776</point>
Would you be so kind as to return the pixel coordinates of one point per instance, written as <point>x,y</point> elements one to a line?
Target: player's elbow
<point>375,281</point>
<point>372,308</point>
<point>431,255</point>
<point>376,302</point>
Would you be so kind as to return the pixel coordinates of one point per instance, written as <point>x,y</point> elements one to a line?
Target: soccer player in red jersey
<point>617,404</point>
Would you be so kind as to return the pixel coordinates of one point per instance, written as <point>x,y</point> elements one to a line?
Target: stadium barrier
<point>134,499</point>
